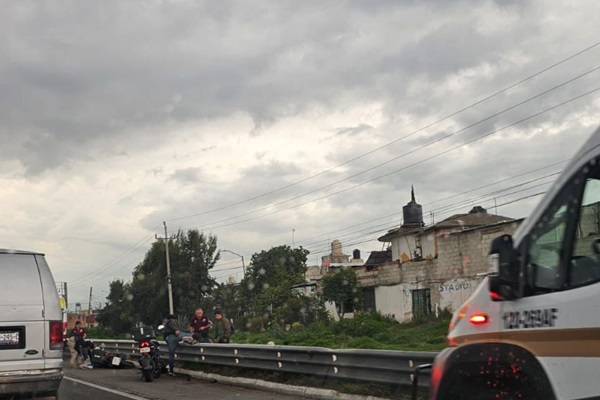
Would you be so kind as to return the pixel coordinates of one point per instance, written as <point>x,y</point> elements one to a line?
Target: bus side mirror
<point>504,284</point>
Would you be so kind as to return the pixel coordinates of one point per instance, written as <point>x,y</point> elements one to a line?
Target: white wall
<point>396,300</point>
<point>403,247</point>
<point>454,292</point>
<point>428,244</point>
<point>330,307</point>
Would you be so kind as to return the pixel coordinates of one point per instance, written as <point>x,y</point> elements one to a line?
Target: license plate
<point>9,338</point>
<point>145,350</point>
<point>116,361</point>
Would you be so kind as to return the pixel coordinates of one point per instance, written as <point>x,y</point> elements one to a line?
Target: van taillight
<point>56,335</point>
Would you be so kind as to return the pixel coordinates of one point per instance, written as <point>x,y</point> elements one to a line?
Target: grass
<point>368,330</point>
<point>365,331</point>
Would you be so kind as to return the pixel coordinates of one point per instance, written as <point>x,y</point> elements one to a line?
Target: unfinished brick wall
<point>451,278</point>
<point>465,254</point>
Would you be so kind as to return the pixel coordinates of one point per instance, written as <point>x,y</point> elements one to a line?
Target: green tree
<point>226,297</point>
<point>192,283</point>
<point>342,288</point>
<point>192,256</point>
<point>116,315</point>
<point>304,309</point>
<point>267,285</point>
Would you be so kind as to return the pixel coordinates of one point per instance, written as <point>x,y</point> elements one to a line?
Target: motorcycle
<point>107,359</point>
<point>150,362</point>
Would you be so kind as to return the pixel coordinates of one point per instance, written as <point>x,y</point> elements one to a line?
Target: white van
<point>31,326</point>
<point>531,330</point>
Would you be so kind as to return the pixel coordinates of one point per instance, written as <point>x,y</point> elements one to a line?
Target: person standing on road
<point>80,334</point>
<point>200,326</point>
<point>222,328</point>
<point>173,335</point>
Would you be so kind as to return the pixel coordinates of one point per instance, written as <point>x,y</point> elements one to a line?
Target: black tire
<point>147,373</point>
<point>158,369</point>
<point>148,368</point>
<point>499,384</point>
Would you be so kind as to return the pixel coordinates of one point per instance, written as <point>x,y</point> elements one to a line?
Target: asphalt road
<point>125,384</point>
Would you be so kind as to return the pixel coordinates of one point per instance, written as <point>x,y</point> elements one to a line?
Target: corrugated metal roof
<point>378,258</point>
<point>470,220</point>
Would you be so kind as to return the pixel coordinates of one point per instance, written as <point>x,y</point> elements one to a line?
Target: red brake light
<point>56,335</point>
<point>478,319</point>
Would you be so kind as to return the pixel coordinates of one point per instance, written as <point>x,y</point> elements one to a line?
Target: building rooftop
<point>378,258</point>
<point>476,218</point>
<point>471,220</point>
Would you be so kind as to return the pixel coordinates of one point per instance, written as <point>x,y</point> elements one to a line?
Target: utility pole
<point>169,283</point>
<point>293,244</point>
<point>170,286</point>
<point>90,303</point>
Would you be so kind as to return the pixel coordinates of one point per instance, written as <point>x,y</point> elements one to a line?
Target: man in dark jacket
<point>173,335</point>
<point>222,328</point>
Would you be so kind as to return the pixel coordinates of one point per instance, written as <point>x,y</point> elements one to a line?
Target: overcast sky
<point>278,122</point>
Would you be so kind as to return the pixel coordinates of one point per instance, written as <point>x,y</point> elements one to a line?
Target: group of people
<point>199,332</point>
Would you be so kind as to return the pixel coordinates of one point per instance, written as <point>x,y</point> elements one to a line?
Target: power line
<point>395,171</point>
<point>371,230</point>
<point>110,265</point>
<point>107,266</point>
<point>564,60</point>
<point>324,248</point>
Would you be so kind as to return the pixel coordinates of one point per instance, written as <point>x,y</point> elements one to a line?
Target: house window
<point>421,303</point>
<point>369,299</point>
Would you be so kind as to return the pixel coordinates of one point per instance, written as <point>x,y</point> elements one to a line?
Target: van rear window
<point>12,337</point>
<point>20,283</point>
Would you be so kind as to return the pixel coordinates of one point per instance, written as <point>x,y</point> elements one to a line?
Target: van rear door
<point>22,325</point>
<point>53,313</point>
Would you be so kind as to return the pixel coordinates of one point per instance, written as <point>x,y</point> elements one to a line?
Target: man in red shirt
<point>200,326</point>
<point>80,334</point>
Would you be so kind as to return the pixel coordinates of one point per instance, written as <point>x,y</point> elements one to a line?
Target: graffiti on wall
<point>454,286</point>
<point>453,293</point>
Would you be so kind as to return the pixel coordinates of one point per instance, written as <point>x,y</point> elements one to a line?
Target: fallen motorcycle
<point>107,359</point>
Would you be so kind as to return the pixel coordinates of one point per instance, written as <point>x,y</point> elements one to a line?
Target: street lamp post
<point>239,255</point>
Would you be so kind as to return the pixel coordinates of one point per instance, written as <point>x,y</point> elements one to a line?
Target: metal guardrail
<point>383,366</point>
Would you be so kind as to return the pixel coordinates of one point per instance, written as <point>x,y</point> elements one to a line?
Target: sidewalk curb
<point>303,391</point>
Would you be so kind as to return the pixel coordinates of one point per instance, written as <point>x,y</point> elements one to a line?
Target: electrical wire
<point>472,105</point>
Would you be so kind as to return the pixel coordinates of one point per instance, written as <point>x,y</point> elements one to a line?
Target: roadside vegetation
<point>367,330</point>
<point>264,306</point>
